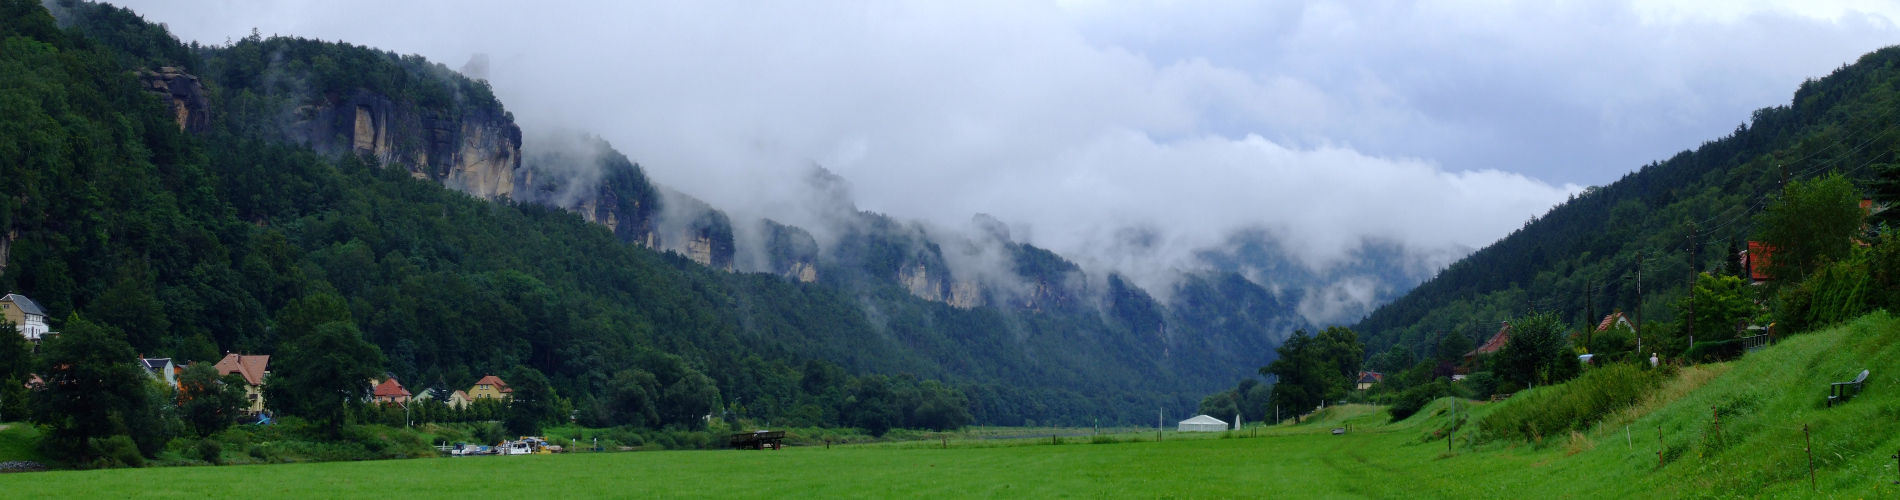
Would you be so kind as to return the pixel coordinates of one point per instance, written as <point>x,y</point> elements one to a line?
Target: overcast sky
<point>1433,124</point>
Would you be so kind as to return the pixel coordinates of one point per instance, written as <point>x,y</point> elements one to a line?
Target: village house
<point>1367,379</point>
<point>389,391</point>
<point>490,387</point>
<point>1614,320</point>
<point>1497,342</point>
<point>160,369</point>
<point>458,400</point>
<point>25,315</point>
<point>254,368</point>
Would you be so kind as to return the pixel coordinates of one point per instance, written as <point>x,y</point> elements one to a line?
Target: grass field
<point>1757,449</point>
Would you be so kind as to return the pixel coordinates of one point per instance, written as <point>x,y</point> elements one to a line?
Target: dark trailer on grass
<point>758,440</point>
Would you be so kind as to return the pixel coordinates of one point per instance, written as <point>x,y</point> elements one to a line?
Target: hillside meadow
<point>1756,449</point>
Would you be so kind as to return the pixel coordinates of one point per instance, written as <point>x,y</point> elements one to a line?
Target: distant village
<point>30,320</point>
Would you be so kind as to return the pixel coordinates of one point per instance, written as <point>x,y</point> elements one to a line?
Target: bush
<point>117,451</point>
<point>1410,401</point>
<point>490,433</point>
<point>210,451</point>
<point>1706,352</point>
<point>1481,385</point>
<point>1554,410</point>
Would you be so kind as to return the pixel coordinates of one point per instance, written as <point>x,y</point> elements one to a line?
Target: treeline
<point>1637,245</point>
<point>1832,264</point>
<point>233,240</point>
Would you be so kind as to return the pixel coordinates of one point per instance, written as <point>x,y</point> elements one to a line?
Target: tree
<point>1220,405</point>
<point>317,375</point>
<point>943,408</point>
<point>1538,352</point>
<point>872,405</point>
<point>1718,304</point>
<point>1812,222</point>
<point>92,390</point>
<point>685,395</point>
<point>1393,360</point>
<point>207,402</point>
<point>632,397</point>
<point>531,402</point>
<point>16,357</point>
<point>1312,369</point>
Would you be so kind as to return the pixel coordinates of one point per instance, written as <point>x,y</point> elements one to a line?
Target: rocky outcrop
<point>694,229</point>
<point>966,295</point>
<point>790,252</point>
<point>804,272</point>
<point>190,104</point>
<point>585,175</point>
<point>917,279</point>
<point>6,248</point>
<point>473,150</point>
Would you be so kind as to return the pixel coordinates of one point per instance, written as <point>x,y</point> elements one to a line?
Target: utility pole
<point>1637,312</point>
<point>1693,265</point>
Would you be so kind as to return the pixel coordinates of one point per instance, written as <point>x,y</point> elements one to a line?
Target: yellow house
<point>458,399</point>
<point>254,368</point>
<point>490,387</point>
<point>25,315</point>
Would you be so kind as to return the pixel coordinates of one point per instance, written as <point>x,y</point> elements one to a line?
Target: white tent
<point>1202,423</point>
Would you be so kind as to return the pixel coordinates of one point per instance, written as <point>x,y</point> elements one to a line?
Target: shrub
<point>1481,385</point>
<point>210,451</point>
<point>490,433</point>
<point>1554,410</point>
<point>1410,401</point>
<point>117,450</point>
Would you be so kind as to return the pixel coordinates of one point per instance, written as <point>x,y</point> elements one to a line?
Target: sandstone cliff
<point>190,104</point>
<point>473,149</point>
<point>585,175</point>
<point>790,252</point>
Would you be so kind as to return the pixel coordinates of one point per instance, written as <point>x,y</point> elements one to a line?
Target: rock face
<point>6,248</point>
<point>476,151</point>
<point>694,229</point>
<point>791,252</point>
<point>966,295</point>
<point>585,175</point>
<point>190,104</point>
<point>918,280</point>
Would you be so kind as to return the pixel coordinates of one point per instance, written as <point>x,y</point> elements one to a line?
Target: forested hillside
<point>1636,245</point>
<point>332,184</point>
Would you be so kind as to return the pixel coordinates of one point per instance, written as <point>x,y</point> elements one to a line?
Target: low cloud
<point>1126,135</point>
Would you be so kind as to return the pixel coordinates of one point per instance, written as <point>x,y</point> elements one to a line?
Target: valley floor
<point>1757,449</point>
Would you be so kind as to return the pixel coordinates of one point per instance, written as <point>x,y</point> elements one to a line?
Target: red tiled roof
<point>1497,341</point>
<point>1371,377</point>
<point>390,389</point>
<point>253,367</point>
<point>1609,321</point>
<point>1759,257</point>
<point>494,381</point>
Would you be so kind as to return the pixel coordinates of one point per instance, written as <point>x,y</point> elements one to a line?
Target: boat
<point>526,445</point>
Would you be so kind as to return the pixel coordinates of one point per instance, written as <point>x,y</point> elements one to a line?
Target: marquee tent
<point>1202,423</point>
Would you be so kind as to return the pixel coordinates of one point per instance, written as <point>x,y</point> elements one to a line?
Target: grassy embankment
<point>1758,448</point>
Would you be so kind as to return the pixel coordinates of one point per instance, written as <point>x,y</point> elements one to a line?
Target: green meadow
<point>1757,448</point>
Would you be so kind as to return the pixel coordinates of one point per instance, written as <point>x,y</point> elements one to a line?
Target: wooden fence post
<point>1659,447</point>
<point>1718,419</point>
<point>1810,447</point>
